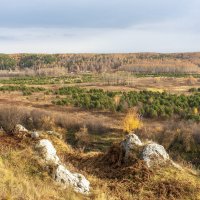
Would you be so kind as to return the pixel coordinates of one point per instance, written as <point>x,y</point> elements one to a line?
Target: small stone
<point>50,132</point>
<point>35,135</point>
<point>54,134</point>
<point>20,128</point>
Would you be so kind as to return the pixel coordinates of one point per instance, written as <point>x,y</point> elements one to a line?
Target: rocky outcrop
<point>48,152</point>
<point>131,142</point>
<point>77,181</point>
<point>154,154</point>
<point>61,174</point>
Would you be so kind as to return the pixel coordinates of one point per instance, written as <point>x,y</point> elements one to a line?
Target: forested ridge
<point>135,62</point>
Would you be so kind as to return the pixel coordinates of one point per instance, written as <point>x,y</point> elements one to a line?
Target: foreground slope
<point>23,175</point>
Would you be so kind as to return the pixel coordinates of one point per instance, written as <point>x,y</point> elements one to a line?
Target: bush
<point>9,118</point>
<point>131,122</point>
<point>82,138</point>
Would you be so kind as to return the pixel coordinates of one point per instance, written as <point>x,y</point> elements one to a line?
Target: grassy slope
<point>22,175</point>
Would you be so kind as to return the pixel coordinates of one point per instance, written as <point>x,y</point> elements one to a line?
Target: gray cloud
<point>99,26</point>
<point>89,13</point>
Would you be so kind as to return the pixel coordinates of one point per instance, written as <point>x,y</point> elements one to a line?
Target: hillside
<point>24,176</point>
<point>127,169</point>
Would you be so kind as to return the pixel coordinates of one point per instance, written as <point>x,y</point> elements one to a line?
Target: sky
<point>99,26</point>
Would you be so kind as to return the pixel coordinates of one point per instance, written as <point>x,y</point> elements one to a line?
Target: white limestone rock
<point>131,142</point>
<point>48,151</point>
<point>77,181</point>
<point>20,128</point>
<point>154,154</point>
<point>62,175</point>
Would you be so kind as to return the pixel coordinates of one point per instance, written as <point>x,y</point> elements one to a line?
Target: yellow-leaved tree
<point>131,122</point>
<point>195,111</point>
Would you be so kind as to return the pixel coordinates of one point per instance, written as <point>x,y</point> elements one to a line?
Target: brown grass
<point>23,175</point>
<point>181,139</point>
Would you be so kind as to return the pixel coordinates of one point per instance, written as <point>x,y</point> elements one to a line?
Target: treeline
<point>150,104</point>
<point>142,62</point>
<point>161,66</point>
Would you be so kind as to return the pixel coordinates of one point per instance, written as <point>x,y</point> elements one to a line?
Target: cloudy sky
<point>102,26</point>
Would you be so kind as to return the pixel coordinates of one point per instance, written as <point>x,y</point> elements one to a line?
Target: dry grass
<point>23,176</point>
<point>181,139</point>
<point>133,180</point>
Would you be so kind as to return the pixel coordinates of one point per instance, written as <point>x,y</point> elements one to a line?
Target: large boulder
<point>77,181</point>
<point>154,154</point>
<point>48,151</point>
<point>131,142</point>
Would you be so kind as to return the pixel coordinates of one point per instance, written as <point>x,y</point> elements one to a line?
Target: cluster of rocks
<point>151,152</point>
<point>35,134</point>
<point>60,173</point>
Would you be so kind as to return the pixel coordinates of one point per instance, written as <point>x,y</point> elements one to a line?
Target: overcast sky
<point>102,26</point>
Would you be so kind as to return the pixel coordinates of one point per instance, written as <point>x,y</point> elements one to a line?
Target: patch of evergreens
<point>41,80</point>
<point>151,104</point>
<point>25,90</point>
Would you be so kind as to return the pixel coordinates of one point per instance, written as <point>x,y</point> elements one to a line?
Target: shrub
<point>33,119</point>
<point>48,123</point>
<point>82,138</point>
<point>131,122</point>
<point>9,117</point>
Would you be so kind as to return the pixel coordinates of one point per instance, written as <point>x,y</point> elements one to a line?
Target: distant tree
<point>6,62</point>
<point>29,61</point>
<point>49,59</point>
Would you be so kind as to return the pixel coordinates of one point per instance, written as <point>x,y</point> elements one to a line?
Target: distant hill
<point>136,62</point>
